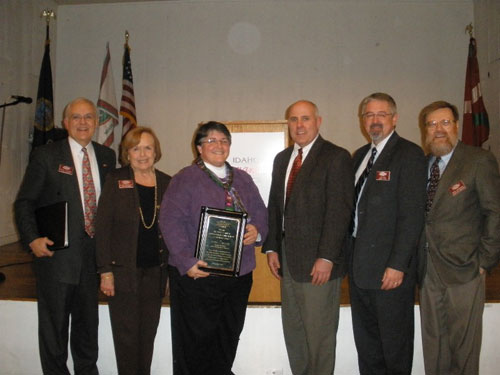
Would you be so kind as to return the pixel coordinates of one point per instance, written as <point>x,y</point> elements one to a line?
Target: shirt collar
<point>77,147</point>
<point>305,149</point>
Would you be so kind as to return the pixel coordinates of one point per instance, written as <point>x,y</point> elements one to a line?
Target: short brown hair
<point>132,139</point>
<point>434,106</point>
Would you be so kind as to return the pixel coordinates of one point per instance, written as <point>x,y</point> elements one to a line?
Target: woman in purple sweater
<point>207,311</point>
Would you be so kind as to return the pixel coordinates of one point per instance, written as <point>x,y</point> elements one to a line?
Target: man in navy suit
<point>390,174</point>
<point>310,205</point>
<point>66,279</point>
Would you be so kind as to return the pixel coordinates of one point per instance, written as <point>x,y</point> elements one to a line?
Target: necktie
<point>364,175</point>
<point>297,163</point>
<point>89,195</point>
<point>433,184</point>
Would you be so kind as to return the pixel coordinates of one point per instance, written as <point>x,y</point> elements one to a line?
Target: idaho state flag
<point>476,126</point>
<point>44,114</point>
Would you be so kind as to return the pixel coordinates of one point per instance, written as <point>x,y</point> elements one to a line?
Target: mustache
<point>440,134</point>
<point>376,125</point>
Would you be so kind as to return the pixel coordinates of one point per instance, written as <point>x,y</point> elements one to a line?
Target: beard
<point>441,146</point>
<point>375,132</point>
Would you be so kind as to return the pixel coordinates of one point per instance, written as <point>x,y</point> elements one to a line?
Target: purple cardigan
<point>192,188</point>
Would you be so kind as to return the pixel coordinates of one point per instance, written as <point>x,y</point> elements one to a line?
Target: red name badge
<point>66,169</point>
<point>457,188</point>
<point>125,184</point>
<point>383,176</point>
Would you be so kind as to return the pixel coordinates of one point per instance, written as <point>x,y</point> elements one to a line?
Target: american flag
<point>127,105</point>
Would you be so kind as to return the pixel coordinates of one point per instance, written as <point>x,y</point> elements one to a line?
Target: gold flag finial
<point>126,36</point>
<point>48,14</point>
<point>469,28</point>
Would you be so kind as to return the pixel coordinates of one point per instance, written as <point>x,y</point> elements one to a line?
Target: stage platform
<point>19,283</point>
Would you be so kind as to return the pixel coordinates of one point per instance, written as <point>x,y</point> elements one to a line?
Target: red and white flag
<point>476,126</point>
<point>106,106</point>
<point>127,106</point>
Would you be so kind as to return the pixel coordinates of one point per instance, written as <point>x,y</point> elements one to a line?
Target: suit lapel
<point>282,176</point>
<point>308,165</point>
<point>360,155</point>
<point>73,188</point>
<point>98,150</point>
<point>382,162</point>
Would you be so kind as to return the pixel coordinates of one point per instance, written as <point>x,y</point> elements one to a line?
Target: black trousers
<point>207,317</point>
<point>135,316</point>
<point>57,302</point>
<point>383,325</point>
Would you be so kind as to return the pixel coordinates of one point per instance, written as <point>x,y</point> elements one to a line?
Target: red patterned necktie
<point>297,163</point>
<point>88,194</point>
<point>433,184</point>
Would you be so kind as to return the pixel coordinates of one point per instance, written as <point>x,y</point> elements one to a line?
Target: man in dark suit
<point>387,222</point>
<point>71,170</point>
<point>460,241</point>
<point>310,206</point>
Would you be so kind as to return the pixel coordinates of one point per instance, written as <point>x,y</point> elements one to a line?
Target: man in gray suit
<point>70,170</point>
<point>388,218</point>
<point>310,205</point>
<point>461,241</point>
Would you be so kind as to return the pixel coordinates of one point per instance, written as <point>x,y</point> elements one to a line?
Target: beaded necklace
<point>154,210</point>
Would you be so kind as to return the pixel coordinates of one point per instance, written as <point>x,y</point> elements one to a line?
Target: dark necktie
<point>297,163</point>
<point>433,184</point>
<point>89,195</point>
<point>364,175</point>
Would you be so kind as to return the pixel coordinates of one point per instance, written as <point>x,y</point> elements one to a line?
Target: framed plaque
<point>220,240</point>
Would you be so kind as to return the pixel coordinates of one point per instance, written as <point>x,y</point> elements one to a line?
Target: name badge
<point>383,176</point>
<point>125,184</point>
<point>457,188</point>
<point>66,169</point>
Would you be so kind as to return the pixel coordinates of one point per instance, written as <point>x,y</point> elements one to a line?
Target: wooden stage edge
<point>19,283</point>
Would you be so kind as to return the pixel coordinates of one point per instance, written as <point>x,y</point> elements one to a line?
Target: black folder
<point>52,222</point>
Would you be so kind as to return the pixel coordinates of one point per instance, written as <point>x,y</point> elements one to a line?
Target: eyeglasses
<point>444,123</point>
<point>380,115</point>
<point>87,117</point>
<point>213,141</point>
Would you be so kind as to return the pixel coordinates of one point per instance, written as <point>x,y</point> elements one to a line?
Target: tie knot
<point>84,150</point>
<point>300,151</point>
<point>374,151</point>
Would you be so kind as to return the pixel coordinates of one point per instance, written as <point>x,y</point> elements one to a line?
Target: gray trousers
<point>452,320</point>
<point>310,317</point>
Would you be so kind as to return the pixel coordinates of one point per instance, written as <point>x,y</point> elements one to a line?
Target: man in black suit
<point>71,170</point>
<point>387,222</point>
<point>310,205</point>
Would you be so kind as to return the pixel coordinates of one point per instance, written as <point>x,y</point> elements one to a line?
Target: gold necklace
<point>154,214</point>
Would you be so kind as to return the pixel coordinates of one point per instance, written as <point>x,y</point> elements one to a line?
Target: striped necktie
<point>364,175</point>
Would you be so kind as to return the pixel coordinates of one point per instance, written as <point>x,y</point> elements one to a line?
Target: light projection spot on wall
<point>244,38</point>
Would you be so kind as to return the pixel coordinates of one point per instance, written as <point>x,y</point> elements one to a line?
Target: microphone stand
<point>4,105</point>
